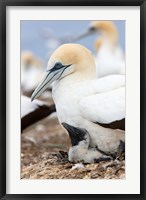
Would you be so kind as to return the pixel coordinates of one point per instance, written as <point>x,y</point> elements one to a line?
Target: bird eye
<point>57,66</point>
<point>92,28</point>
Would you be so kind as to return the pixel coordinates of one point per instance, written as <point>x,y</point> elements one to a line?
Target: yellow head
<point>75,57</point>
<point>106,29</point>
<point>69,60</point>
<point>28,58</point>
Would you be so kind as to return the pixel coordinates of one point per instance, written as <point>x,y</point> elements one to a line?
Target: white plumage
<point>32,112</point>
<point>28,107</point>
<point>113,108</point>
<point>31,72</point>
<point>81,99</point>
<point>99,100</point>
<point>110,60</point>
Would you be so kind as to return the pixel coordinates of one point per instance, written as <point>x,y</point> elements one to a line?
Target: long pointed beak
<point>76,134</point>
<point>49,78</point>
<point>85,34</point>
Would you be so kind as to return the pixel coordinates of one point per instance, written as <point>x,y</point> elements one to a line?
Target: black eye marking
<point>92,29</point>
<point>58,66</point>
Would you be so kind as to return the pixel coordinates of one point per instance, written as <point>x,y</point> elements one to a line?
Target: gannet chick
<point>80,150</point>
<point>110,58</point>
<point>83,101</point>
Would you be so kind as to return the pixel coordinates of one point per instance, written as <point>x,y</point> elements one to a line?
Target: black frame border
<point>3,5</point>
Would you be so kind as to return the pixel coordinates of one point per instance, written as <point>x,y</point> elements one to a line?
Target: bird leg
<point>121,149</point>
<point>105,153</point>
<point>103,158</point>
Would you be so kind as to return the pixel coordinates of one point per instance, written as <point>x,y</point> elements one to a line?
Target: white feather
<point>104,107</point>
<point>27,106</point>
<point>110,60</point>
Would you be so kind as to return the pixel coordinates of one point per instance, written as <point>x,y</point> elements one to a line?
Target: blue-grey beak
<point>51,75</point>
<point>86,33</point>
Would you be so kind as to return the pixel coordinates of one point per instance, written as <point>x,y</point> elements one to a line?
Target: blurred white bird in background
<point>32,70</point>
<point>32,112</point>
<point>90,105</point>
<point>110,57</point>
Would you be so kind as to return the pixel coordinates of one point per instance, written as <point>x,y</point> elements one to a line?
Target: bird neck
<point>73,79</point>
<point>85,72</point>
<point>110,37</point>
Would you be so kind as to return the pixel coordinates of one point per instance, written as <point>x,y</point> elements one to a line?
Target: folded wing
<point>104,107</point>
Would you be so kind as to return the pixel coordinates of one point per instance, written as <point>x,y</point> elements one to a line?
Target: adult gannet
<point>110,57</point>
<point>31,72</point>
<point>83,101</point>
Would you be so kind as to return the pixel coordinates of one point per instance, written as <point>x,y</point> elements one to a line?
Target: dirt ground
<point>44,148</point>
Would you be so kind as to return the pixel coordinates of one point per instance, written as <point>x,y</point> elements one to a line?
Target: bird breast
<point>110,61</point>
<point>66,98</point>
